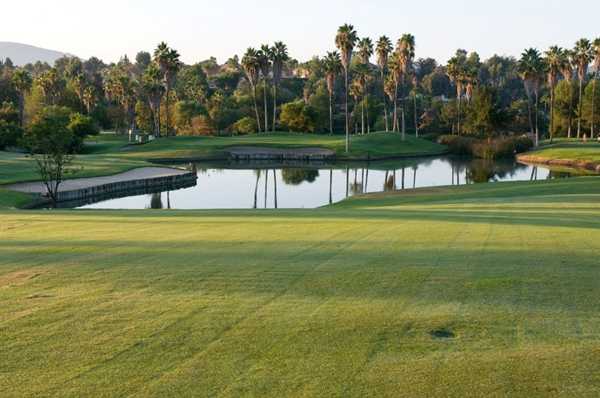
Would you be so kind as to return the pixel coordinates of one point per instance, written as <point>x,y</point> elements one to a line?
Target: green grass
<point>375,145</point>
<point>352,300</point>
<point>570,150</point>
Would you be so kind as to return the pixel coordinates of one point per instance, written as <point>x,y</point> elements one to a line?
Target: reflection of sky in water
<point>235,189</point>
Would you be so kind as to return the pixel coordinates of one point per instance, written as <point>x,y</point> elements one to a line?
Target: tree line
<point>361,86</point>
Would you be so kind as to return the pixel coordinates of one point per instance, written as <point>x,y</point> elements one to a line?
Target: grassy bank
<point>573,154</point>
<point>375,145</point>
<point>486,290</point>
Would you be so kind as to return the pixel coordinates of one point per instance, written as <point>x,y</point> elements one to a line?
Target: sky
<point>199,29</point>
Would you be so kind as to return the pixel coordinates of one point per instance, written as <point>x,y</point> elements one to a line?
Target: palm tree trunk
<point>551,114</point>
<point>158,121</point>
<point>531,128</point>
<point>416,117</point>
<point>256,108</point>
<point>570,109</point>
<point>385,110</point>
<point>274,107</point>
<point>362,117</point>
<point>347,116</point>
<point>256,189</point>
<point>593,110</point>
<point>367,106</point>
<point>537,131</point>
<point>580,108</point>
<point>395,129</point>
<point>331,113</point>
<point>167,111</point>
<point>458,117</point>
<point>265,105</point>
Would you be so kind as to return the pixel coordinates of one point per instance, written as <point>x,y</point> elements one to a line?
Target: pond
<point>288,186</point>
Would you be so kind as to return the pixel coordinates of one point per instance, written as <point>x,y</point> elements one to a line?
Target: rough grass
<point>487,290</point>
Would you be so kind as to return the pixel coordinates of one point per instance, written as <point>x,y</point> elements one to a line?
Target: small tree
<point>50,141</point>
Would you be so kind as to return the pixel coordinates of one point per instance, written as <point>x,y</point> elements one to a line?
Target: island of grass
<point>109,154</point>
<point>481,290</point>
<point>570,154</point>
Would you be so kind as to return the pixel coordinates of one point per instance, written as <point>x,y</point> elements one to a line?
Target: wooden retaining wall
<point>128,188</point>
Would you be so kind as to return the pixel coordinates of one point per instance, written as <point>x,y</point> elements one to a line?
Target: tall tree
<point>583,54</point>
<point>406,55</point>
<point>168,61</point>
<point>279,56</point>
<point>395,67</point>
<point>365,52</point>
<point>555,60</point>
<point>567,74</point>
<point>251,66</point>
<point>595,77</point>
<point>382,50</point>
<point>531,71</point>
<point>333,67</point>
<point>51,85</point>
<point>456,73</point>
<point>345,41</point>
<point>264,60</point>
<point>22,81</point>
<point>154,91</point>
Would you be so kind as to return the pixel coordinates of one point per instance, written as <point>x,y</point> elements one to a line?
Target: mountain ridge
<point>21,54</point>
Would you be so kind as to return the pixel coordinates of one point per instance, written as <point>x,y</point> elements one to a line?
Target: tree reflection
<point>156,201</point>
<point>298,176</point>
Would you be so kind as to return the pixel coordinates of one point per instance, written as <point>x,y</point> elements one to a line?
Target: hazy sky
<point>201,28</point>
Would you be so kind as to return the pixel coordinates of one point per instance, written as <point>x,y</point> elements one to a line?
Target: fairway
<point>487,290</point>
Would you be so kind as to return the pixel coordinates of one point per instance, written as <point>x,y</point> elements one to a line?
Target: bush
<point>297,116</point>
<point>457,145</point>
<point>496,148</point>
<point>246,125</point>
<point>10,134</point>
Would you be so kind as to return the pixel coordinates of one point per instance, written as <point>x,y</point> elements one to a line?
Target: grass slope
<point>575,151</point>
<point>487,290</point>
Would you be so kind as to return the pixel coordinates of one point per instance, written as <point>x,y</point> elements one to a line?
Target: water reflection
<point>229,186</point>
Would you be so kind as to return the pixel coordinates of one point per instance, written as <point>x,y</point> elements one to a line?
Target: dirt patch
<point>18,278</point>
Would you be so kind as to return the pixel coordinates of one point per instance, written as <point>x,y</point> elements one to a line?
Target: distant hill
<point>22,54</point>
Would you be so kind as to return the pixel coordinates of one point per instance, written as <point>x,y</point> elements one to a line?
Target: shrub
<point>298,116</point>
<point>246,125</point>
<point>457,145</point>
<point>10,134</point>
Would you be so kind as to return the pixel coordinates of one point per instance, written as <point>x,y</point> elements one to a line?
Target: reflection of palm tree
<point>169,200</point>
<point>367,181</point>
<point>275,185</point>
<point>156,201</point>
<point>266,186</point>
<point>403,175</point>
<point>347,180</point>
<point>389,184</point>
<point>257,172</point>
<point>298,176</point>
<point>415,167</point>
<point>330,186</point>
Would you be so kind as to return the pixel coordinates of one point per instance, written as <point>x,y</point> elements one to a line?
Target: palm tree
<point>89,98</point>
<point>365,52</point>
<point>279,56</point>
<point>415,82</point>
<point>22,81</point>
<point>333,67</point>
<point>251,66</point>
<point>362,77</point>
<point>596,72</point>
<point>455,72</point>
<point>154,91</point>
<point>395,68</point>
<point>168,61</point>
<point>51,85</point>
<point>345,41</point>
<point>555,59</point>
<point>567,73</point>
<point>264,60</point>
<point>583,53</point>
<point>383,50</point>
<point>531,70</point>
<point>406,55</point>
